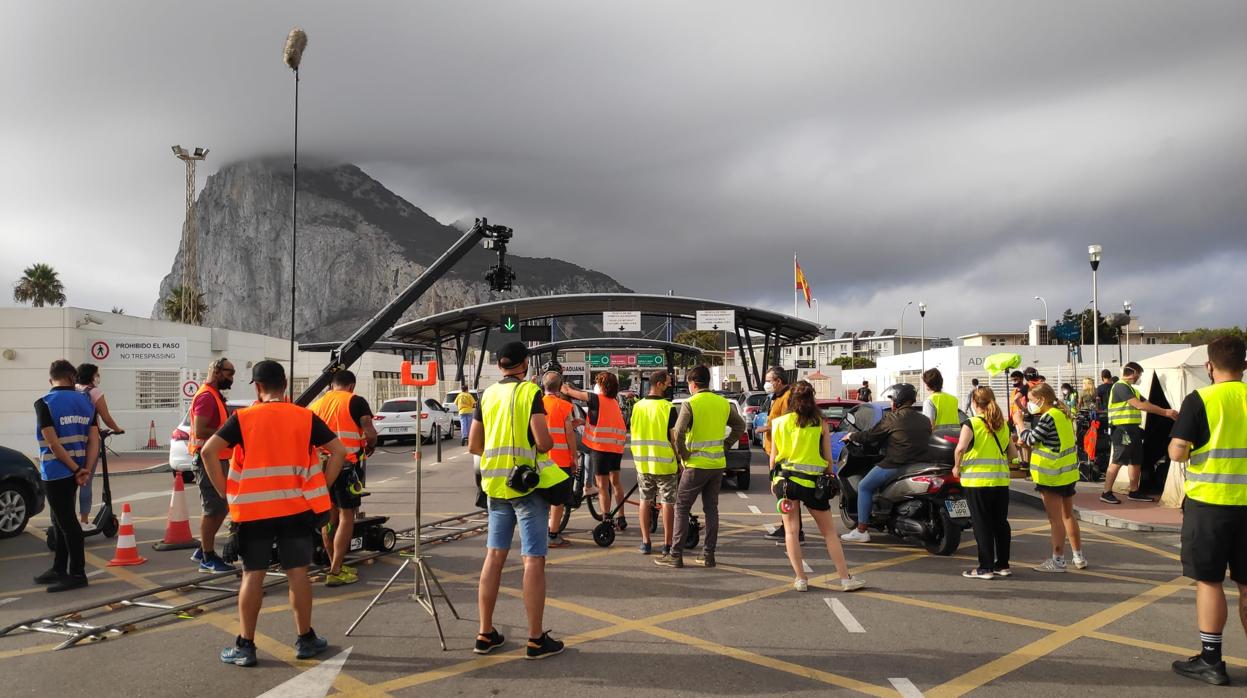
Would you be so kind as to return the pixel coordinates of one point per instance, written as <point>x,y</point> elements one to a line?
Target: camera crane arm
<point>500,277</point>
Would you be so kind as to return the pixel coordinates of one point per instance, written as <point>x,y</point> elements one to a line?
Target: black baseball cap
<point>512,354</point>
<point>268,373</point>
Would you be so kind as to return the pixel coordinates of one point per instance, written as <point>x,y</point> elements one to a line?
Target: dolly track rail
<point>71,624</point>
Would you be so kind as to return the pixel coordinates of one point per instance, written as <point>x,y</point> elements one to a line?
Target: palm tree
<point>40,285</point>
<point>183,306</point>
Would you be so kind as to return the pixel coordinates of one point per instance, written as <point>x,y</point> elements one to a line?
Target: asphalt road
<point>739,629</point>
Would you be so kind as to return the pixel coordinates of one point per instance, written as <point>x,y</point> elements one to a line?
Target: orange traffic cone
<point>151,436</point>
<point>127,551</point>
<point>178,529</point>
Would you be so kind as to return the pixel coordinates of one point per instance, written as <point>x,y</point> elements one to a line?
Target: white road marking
<point>846,619</point>
<point>140,495</point>
<point>11,599</point>
<point>742,495</point>
<point>905,688</point>
<point>806,566</point>
<point>754,509</point>
<point>769,528</point>
<point>389,479</point>
<point>313,683</point>
<point>96,573</point>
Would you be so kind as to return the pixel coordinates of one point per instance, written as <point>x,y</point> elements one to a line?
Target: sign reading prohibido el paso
<point>137,352</point>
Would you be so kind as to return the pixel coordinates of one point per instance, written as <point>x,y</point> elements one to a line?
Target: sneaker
<point>340,579</point>
<point>1079,561</point>
<point>706,559</point>
<point>979,573</point>
<point>645,548</point>
<point>1051,565</point>
<point>558,542</point>
<point>198,555</point>
<point>801,584</point>
<point>239,656</point>
<point>347,568</point>
<point>668,560</point>
<point>49,577</point>
<point>1200,670</point>
<point>851,584</point>
<point>620,524</point>
<point>666,550</point>
<point>1002,572</point>
<point>777,534</point>
<point>308,646</point>
<point>1109,498</point>
<point>856,536</point>
<point>490,642</point>
<point>542,647</point>
<point>68,583</point>
<point>212,564</point>
<point>1138,496</point>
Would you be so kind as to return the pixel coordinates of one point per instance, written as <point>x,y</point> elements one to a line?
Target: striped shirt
<point>1044,433</point>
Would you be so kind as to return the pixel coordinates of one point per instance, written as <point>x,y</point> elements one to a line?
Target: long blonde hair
<point>985,400</point>
<point>1044,392</point>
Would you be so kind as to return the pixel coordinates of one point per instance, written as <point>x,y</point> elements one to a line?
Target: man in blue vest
<point>69,443</point>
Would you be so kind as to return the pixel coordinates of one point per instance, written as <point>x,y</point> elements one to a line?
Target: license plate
<point>391,430</point>
<point>958,508</point>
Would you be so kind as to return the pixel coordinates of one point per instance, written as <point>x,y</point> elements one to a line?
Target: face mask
<point>1032,407</point>
<point>768,387</point>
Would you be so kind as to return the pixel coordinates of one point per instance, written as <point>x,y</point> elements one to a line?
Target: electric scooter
<point>105,522</point>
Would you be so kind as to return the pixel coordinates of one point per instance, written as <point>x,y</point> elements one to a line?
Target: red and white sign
<point>137,352</point>
<point>189,388</point>
<point>99,350</point>
<point>623,360</point>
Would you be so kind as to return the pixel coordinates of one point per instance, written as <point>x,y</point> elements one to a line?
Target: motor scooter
<point>922,502</point>
<point>105,522</point>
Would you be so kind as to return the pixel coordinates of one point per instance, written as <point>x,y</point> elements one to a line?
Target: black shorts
<point>338,492</point>
<point>1214,537</point>
<point>1128,453</point>
<point>1064,490</point>
<point>210,500</point>
<point>604,463</point>
<point>805,495</point>
<point>293,536</point>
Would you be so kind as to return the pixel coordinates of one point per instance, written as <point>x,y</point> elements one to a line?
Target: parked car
<point>21,491</point>
<point>737,458</point>
<point>179,441</point>
<point>753,403</point>
<point>397,420</point>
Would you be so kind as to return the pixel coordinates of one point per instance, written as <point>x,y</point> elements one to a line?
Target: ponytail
<point>985,400</point>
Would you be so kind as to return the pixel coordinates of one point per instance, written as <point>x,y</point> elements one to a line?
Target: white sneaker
<point>1051,565</point>
<point>851,584</point>
<point>801,584</point>
<point>1079,561</point>
<point>856,536</point>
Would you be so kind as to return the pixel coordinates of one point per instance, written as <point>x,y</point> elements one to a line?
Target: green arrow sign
<point>509,323</point>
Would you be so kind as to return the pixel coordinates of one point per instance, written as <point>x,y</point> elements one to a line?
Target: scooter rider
<point>906,433</point>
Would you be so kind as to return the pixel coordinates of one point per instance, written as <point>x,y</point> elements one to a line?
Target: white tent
<point>1177,374</point>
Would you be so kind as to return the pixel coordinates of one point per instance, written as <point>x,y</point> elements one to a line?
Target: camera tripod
<point>425,580</point>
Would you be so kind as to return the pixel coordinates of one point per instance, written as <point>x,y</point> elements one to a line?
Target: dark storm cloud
<point>922,150</point>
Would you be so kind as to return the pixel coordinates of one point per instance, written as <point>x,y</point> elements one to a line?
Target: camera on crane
<point>500,276</point>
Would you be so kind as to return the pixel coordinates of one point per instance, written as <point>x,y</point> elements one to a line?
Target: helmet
<point>554,366</point>
<point>903,394</point>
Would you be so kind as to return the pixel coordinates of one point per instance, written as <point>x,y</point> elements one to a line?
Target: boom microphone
<point>295,43</point>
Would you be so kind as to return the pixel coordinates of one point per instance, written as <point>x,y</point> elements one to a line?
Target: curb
<point>1095,517</point>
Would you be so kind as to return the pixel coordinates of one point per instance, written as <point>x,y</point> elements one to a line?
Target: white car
<point>397,420</point>
<point>179,442</point>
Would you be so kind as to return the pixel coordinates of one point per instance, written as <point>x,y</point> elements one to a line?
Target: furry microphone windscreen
<point>295,43</point>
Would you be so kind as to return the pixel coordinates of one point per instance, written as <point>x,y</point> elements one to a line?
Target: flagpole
<point>796,303</point>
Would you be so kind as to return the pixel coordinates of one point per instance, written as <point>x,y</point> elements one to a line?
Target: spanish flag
<point>802,285</point>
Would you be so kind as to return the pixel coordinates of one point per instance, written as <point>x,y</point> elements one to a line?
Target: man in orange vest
<point>563,431</point>
<point>207,414</point>
<point>350,417</point>
<point>275,490</point>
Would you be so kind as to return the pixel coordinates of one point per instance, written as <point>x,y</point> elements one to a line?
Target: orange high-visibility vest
<point>194,444</point>
<point>609,434</point>
<point>334,407</point>
<point>557,412</point>
<point>275,472</point>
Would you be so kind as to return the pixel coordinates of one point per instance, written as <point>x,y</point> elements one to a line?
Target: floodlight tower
<point>190,273</point>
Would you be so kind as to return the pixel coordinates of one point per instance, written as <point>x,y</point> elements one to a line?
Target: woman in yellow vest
<point>800,451</point>
<point>940,407</point>
<point>982,460</point>
<point>1054,468</point>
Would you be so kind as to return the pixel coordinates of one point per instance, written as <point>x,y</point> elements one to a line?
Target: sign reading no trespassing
<point>137,352</point>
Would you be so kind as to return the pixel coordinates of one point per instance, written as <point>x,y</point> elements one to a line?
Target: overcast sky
<point>958,153</point>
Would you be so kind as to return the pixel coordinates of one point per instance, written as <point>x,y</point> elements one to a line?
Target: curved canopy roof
<point>785,328</point>
<point>617,343</point>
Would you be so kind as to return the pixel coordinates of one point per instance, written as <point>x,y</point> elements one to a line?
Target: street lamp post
<point>901,344</point>
<point>1127,306</point>
<point>1045,324</point>
<point>816,322</point>
<point>922,340</point>
<point>1094,253</point>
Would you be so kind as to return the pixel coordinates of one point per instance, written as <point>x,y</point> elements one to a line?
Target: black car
<point>21,492</point>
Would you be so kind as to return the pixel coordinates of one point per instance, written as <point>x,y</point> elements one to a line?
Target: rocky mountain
<point>359,244</point>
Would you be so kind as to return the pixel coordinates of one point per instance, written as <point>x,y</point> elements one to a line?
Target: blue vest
<point>72,417</point>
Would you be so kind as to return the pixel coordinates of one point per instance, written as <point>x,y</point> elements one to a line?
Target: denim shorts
<point>532,512</point>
